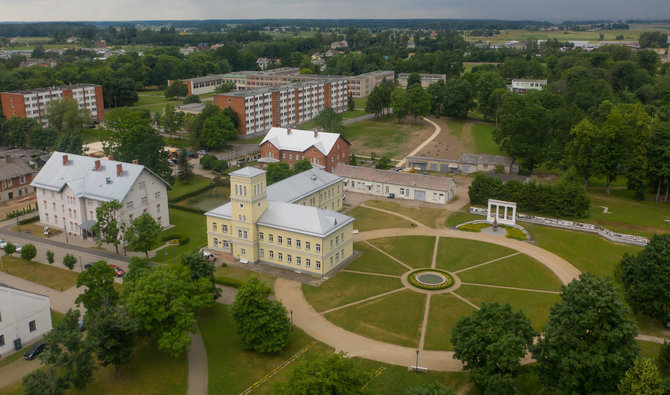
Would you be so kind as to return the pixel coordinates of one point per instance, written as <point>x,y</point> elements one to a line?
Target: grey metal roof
<point>300,140</point>
<point>79,175</point>
<point>248,171</point>
<point>394,177</point>
<point>300,185</point>
<point>13,167</point>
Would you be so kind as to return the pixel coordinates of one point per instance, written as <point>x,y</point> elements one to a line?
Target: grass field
<point>47,275</point>
<point>368,219</point>
<point>360,102</point>
<point>374,261</point>
<point>445,310</point>
<point>414,251</point>
<point>242,274</point>
<point>587,252</point>
<point>394,318</point>
<point>632,34</point>
<point>456,254</point>
<point>482,135</point>
<point>186,224</point>
<point>535,305</point>
<point>432,217</point>
<point>380,135</point>
<point>520,271</point>
<point>347,288</point>
<point>180,188</point>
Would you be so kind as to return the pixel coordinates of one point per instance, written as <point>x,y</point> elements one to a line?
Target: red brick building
<point>323,150</point>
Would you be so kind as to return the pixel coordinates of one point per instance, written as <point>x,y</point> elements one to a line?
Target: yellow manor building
<point>289,224</point>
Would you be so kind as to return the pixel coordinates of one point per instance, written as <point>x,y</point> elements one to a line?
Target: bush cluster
<point>412,280</point>
<point>564,199</point>
<point>210,162</point>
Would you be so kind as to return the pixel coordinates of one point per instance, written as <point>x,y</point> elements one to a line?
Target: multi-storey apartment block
<point>426,79</point>
<point>284,105</point>
<point>70,187</point>
<point>33,103</point>
<point>361,85</point>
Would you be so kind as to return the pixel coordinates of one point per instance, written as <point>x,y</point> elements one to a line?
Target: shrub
<point>69,260</point>
<point>207,161</point>
<point>29,220</point>
<point>220,165</point>
<point>514,233</point>
<point>412,280</point>
<point>227,281</point>
<point>183,240</point>
<point>28,252</point>
<point>50,257</point>
<point>191,99</point>
<point>170,237</point>
<point>476,227</point>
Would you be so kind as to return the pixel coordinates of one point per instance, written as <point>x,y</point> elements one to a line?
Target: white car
<point>3,243</point>
<point>210,257</point>
<point>18,248</point>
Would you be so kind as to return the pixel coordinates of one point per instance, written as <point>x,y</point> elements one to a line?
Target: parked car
<point>88,265</point>
<point>34,351</point>
<point>203,152</point>
<point>18,249</point>
<point>193,155</point>
<point>172,162</point>
<point>118,272</point>
<point>392,195</point>
<point>210,257</point>
<point>3,243</point>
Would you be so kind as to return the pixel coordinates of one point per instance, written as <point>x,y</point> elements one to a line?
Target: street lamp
<point>416,367</point>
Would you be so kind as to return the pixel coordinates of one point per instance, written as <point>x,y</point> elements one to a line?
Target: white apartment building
<point>522,85</point>
<point>70,187</point>
<point>362,84</point>
<point>24,317</point>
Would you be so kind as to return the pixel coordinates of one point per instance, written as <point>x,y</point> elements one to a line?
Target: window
<point>280,256</point>
<point>272,254</point>
<point>22,179</point>
<point>318,265</point>
<point>144,200</point>
<point>143,184</point>
<point>331,261</point>
<point>279,239</point>
<point>239,233</point>
<point>2,340</point>
<point>260,235</point>
<point>318,248</point>
<point>157,195</point>
<point>270,237</point>
<point>331,244</point>
<point>129,204</point>
<point>245,234</point>
<point>244,252</point>
<point>216,241</point>
<point>288,241</point>
<point>214,227</point>
<point>308,263</point>
<point>289,258</point>
<point>307,245</point>
<point>297,243</point>
<point>224,228</point>
<point>32,326</point>
<point>262,253</point>
<point>298,261</point>
<point>337,257</point>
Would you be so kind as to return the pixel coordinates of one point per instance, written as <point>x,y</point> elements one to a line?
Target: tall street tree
<point>106,227</point>
<point>580,151</point>
<point>329,121</point>
<point>326,374</point>
<point>65,115</point>
<point>112,332</point>
<point>200,267</point>
<point>142,233</point>
<point>99,282</point>
<point>589,341</point>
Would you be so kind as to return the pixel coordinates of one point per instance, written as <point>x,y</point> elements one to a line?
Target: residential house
<point>15,178</point>
<point>24,317</point>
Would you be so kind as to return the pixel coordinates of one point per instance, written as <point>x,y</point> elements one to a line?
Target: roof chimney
<point>119,169</point>
<point>316,132</point>
<point>97,165</point>
<point>288,131</point>
<point>65,160</point>
<point>136,162</point>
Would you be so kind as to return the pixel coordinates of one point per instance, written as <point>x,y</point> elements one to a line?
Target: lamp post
<point>291,319</point>
<point>18,225</point>
<point>416,367</point>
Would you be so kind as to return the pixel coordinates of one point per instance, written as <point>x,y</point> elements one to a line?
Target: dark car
<point>392,195</point>
<point>34,351</point>
<point>193,155</point>
<point>88,265</point>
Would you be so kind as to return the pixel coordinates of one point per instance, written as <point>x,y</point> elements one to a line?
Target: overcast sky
<point>113,10</point>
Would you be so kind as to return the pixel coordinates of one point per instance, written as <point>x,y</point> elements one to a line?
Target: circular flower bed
<point>430,279</point>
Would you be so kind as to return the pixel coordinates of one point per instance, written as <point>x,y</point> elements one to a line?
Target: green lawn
<point>445,310</point>
<point>352,114</point>
<point>91,135</point>
<point>460,217</point>
<point>482,135</point>
<point>347,288</point>
<point>649,349</point>
<point>233,369</point>
<point>395,318</point>
<point>397,379</point>
<point>185,224</point>
<point>43,274</point>
<point>415,251</point>
<point>432,217</point>
<point>456,254</point>
<point>360,102</point>
<point>238,273</point>
<point>368,219</point>
<point>535,305</point>
<point>150,372</point>
<point>374,261</point>
<point>587,252</point>
<point>180,188</point>
<point>520,271</point>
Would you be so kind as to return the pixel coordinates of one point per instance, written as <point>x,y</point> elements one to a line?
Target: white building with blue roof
<point>70,187</point>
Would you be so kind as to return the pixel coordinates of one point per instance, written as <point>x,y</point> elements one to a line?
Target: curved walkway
<point>421,146</point>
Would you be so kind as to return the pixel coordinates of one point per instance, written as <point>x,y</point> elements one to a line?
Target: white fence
<point>579,226</point>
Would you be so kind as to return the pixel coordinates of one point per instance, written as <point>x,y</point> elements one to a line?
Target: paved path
<point>421,146</point>
<point>197,366</point>
<point>358,119</point>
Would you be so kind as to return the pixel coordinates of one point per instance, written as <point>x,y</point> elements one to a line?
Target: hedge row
<point>191,194</point>
<point>29,220</point>
<point>564,199</point>
<point>227,281</point>
<point>187,209</point>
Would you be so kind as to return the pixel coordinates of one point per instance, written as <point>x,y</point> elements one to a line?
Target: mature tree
<point>164,300</point>
<point>69,261</point>
<point>28,252</point>
<point>642,378</point>
<point>352,160</point>
<point>216,132</point>
<point>301,165</point>
<point>262,324</point>
<point>589,341</point>
<point>580,151</point>
<point>47,381</point>
<point>232,115</point>
<point>68,350</point>
<point>491,343</point>
<point>200,267</point>
<point>137,267</point>
<point>99,282</point>
<point>65,115</point>
<point>277,172</point>
<point>225,87</point>
<point>418,101</point>
<point>413,79</point>
<point>43,139</point>
<point>135,139</point>
<point>435,388</point>
<point>207,161</point>
<point>329,121</point>
<point>9,248</point>
<point>663,359</point>
<point>351,104</point>
<point>142,233</point>
<point>107,227</point>
<point>170,120</point>
<point>658,152</point>
<point>71,141</point>
<point>176,89</point>
<point>326,374</point>
<point>184,168</point>
<point>458,98</point>
<point>384,162</point>
<point>191,99</point>
<point>487,83</point>
<point>400,103</point>
<point>644,280</point>
<point>379,100</point>
<point>112,332</point>
<point>18,130</point>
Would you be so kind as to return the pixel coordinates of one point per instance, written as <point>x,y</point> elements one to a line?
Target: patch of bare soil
<point>446,145</point>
